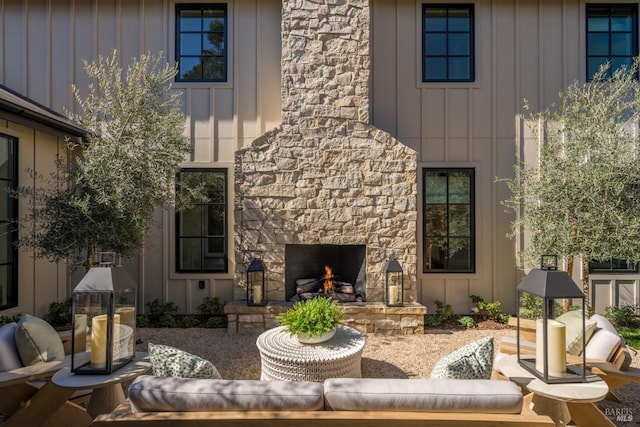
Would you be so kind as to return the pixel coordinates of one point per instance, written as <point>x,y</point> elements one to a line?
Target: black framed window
<point>449,220</point>
<point>612,36</point>
<point>8,215</point>
<point>612,265</point>
<point>201,42</point>
<point>447,43</point>
<point>202,229</point>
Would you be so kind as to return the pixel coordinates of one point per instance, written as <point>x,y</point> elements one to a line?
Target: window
<point>202,229</point>
<point>613,265</point>
<point>447,46</point>
<point>449,226</point>
<point>201,42</point>
<point>8,231</point>
<point>611,36</point>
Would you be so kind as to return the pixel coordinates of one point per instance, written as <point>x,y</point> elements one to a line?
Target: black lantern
<point>394,285</point>
<point>540,302</point>
<point>256,291</point>
<point>104,321</point>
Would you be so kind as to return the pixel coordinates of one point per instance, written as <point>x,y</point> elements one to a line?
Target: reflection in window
<point>201,47</point>
<point>612,265</point>
<point>611,36</point>
<point>447,46</point>
<point>201,229</point>
<point>8,230</point>
<point>449,242</point>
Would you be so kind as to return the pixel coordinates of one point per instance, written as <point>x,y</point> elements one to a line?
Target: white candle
<point>257,294</point>
<point>393,294</point>
<point>556,348</point>
<point>99,339</point>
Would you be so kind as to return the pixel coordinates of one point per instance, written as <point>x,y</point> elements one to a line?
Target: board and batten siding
<point>42,48</point>
<point>524,49</point>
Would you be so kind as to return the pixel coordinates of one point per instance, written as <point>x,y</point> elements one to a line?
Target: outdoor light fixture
<point>256,291</point>
<point>394,286</point>
<point>540,300</point>
<point>104,321</point>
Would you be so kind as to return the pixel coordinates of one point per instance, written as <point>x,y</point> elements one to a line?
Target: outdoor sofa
<point>353,402</point>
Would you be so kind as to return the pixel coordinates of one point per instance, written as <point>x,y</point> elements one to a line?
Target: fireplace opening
<point>312,270</point>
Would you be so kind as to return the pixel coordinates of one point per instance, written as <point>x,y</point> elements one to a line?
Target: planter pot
<point>316,339</point>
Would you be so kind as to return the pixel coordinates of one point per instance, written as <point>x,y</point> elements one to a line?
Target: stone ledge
<point>366,317</point>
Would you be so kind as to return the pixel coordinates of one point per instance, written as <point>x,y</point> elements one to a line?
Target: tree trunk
<point>585,284</point>
<point>566,303</point>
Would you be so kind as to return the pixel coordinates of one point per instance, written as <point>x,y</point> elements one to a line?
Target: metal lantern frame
<point>103,321</point>
<point>549,285</point>
<point>256,285</point>
<point>394,284</point>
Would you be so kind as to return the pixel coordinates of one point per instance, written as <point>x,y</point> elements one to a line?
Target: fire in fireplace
<point>326,286</point>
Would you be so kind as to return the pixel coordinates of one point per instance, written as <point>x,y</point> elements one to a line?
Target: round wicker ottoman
<point>284,358</point>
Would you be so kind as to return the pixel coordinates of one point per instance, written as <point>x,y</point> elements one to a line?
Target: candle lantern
<point>256,290</point>
<point>394,285</point>
<point>104,321</point>
<point>540,301</point>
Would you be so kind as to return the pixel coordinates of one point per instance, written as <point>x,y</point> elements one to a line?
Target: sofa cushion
<point>472,361</point>
<point>9,357</point>
<point>155,394</point>
<point>602,345</point>
<point>168,361</point>
<point>573,323</point>
<point>37,341</point>
<point>426,395</point>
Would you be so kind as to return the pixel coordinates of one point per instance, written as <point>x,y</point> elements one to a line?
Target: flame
<point>328,282</point>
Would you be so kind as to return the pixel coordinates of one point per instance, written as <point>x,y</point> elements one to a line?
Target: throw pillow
<point>473,361</point>
<point>37,341</point>
<point>9,357</point>
<point>573,322</point>
<point>602,345</point>
<point>168,361</point>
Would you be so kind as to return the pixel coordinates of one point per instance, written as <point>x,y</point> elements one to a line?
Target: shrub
<point>59,315</point>
<point>210,306</point>
<point>467,322</point>
<point>442,314</point>
<point>190,322</point>
<point>142,321</point>
<point>214,322</point>
<point>624,315</point>
<point>314,317</point>
<point>8,319</point>
<point>167,320</point>
<point>490,310</point>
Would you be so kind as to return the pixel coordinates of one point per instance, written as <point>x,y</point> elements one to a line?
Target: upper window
<point>612,265</point>
<point>447,45</point>
<point>449,226</point>
<point>8,214</point>
<point>201,42</point>
<point>612,36</point>
<point>202,229</point>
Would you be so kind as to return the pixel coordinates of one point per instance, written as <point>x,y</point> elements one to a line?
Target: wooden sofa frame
<point>122,417</point>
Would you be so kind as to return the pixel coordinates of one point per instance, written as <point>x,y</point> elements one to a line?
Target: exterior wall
<point>41,282</point>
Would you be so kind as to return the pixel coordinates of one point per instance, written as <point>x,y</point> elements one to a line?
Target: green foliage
<point>442,314</point>
<point>190,321</point>
<point>313,317</point>
<point>530,306</point>
<point>631,336</point>
<point>214,322</point>
<point>210,306</point>
<point>167,320</point>
<point>107,186</point>
<point>8,319</point>
<point>59,315</point>
<point>142,321</point>
<point>489,310</point>
<point>624,315</point>
<point>157,309</point>
<point>467,322</point>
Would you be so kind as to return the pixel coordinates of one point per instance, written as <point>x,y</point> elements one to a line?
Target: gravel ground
<point>411,356</point>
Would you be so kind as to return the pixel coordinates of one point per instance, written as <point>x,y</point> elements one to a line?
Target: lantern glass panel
<point>394,288</point>
<point>256,286</point>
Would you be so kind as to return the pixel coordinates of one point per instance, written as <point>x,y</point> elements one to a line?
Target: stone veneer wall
<point>325,176</point>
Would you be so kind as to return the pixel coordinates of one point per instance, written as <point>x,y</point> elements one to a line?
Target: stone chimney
<point>325,61</point>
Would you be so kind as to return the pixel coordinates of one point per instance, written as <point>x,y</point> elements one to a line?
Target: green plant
<point>142,321</point>
<point>467,322</point>
<point>443,313</point>
<point>167,320</point>
<point>59,315</point>
<point>8,319</point>
<point>624,315</point>
<point>489,310</point>
<point>157,309</point>
<point>190,322</point>
<point>631,336</point>
<point>314,317</point>
<point>210,306</point>
<point>214,322</point>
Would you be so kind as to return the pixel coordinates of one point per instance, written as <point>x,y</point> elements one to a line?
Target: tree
<point>580,199</point>
<point>108,186</point>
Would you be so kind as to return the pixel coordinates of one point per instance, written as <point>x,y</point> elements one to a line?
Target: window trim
<point>472,54</point>
<point>228,70</point>
<point>633,7</point>
<point>473,172</point>
<point>12,301</point>
<point>178,269</point>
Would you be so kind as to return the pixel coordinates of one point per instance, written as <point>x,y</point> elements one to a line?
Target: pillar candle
<point>393,294</point>
<point>556,348</point>
<point>257,294</point>
<point>99,339</point>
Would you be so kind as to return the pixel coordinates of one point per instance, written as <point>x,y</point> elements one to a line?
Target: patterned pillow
<point>473,361</point>
<point>171,362</point>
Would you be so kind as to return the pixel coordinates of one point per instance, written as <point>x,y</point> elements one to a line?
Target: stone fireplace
<point>325,178</point>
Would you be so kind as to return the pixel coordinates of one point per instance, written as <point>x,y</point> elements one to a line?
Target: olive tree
<point>108,185</point>
<point>580,198</point>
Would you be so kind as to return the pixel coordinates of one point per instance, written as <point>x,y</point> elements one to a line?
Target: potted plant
<point>313,321</point>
